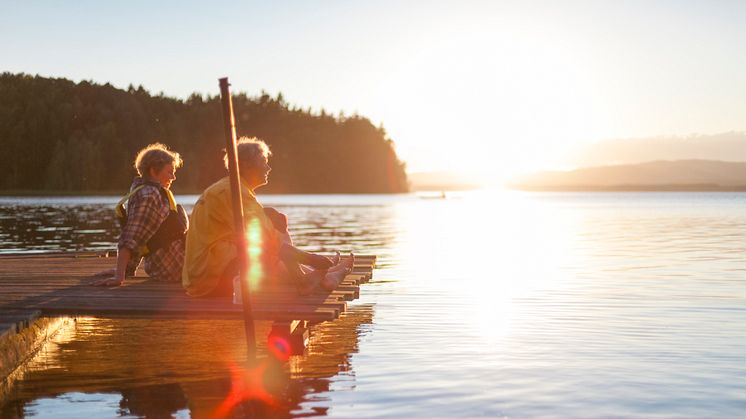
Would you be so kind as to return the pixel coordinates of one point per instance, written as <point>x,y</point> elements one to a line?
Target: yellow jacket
<point>211,240</point>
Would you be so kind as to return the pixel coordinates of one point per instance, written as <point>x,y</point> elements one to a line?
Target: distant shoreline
<point>120,193</point>
<point>445,188</point>
<point>31,192</point>
<point>525,188</point>
<point>630,188</point>
<point>655,176</point>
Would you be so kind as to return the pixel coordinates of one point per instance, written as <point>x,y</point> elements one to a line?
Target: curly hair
<point>155,156</point>
<point>247,149</point>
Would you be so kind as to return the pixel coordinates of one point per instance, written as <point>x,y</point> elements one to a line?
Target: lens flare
<point>254,239</point>
<point>247,385</point>
<point>279,347</point>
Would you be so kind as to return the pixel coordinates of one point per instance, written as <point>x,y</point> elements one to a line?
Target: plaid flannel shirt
<point>146,210</point>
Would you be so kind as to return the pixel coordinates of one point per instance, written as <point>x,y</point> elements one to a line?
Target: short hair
<point>155,156</point>
<point>247,149</point>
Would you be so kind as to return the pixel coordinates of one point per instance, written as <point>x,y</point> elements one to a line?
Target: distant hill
<point>64,137</point>
<point>728,146</point>
<point>688,175</point>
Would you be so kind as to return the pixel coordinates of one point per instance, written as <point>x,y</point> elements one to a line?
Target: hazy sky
<point>493,87</point>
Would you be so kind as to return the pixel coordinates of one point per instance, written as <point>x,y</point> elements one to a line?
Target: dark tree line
<point>57,135</point>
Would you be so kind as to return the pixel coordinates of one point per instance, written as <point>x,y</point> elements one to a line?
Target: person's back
<point>154,231</point>
<point>211,249</point>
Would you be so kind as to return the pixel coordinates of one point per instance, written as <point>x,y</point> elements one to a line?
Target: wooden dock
<point>58,284</point>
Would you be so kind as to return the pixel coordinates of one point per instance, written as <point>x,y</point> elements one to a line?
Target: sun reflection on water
<point>493,247</point>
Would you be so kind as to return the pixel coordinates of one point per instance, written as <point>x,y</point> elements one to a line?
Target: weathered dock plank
<point>13,321</point>
<point>59,284</point>
<point>24,333</point>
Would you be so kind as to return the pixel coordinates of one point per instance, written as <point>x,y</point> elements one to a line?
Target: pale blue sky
<point>489,87</point>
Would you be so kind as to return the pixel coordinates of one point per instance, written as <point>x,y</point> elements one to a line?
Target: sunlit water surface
<point>484,304</point>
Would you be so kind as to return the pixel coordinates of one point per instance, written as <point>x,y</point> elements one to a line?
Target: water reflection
<point>158,368</point>
<point>27,228</point>
<point>76,224</point>
<point>517,305</point>
<point>161,367</point>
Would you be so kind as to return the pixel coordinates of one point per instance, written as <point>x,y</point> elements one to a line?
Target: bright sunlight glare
<point>515,104</point>
<point>507,243</point>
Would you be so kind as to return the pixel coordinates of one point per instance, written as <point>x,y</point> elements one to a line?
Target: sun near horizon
<point>489,90</point>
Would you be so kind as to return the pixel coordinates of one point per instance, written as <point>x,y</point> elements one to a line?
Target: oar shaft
<point>237,204</point>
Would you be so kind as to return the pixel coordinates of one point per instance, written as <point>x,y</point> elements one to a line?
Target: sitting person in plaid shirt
<point>153,226</point>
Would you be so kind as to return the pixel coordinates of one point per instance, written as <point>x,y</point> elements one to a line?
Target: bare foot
<point>332,279</point>
<point>308,282</point>
<point>344,264</point>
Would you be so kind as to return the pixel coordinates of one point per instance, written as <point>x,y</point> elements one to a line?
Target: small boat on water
<point>441,195</point>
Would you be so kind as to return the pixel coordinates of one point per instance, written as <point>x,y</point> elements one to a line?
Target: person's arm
<point>142,223</point>
<point>291,254</point>
<point>124,256</point>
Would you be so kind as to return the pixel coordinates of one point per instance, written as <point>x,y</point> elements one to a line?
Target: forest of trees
<point>57,136</point>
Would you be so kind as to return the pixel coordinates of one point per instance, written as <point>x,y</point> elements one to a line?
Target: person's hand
<point>105,273</point>
<point>111,281</point>
<point>316,261</point>
<point>291,254</point>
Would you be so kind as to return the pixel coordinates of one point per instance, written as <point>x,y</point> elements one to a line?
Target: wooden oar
<point>230,149</point>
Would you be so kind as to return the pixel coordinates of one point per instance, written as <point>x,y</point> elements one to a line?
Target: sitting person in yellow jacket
<point>211,260</point>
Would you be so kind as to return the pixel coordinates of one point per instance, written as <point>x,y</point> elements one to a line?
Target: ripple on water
<point>515,305</point>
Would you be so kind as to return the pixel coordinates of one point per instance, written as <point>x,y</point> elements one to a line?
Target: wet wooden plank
<point>59,284</point>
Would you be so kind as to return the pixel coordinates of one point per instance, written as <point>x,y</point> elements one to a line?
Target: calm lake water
<point>497,304</point>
